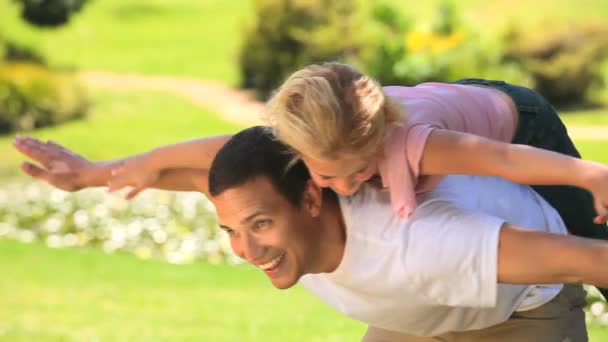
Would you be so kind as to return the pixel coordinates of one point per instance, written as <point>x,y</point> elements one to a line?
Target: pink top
<point>471,109</point>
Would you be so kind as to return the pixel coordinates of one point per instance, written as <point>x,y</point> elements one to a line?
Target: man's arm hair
<point>532,257</point>
<point>183,180</point>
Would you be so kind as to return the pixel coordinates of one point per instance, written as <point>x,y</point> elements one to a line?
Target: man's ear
<point>313,198</point>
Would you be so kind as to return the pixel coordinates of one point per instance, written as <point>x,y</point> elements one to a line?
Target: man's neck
<point>333,232</point>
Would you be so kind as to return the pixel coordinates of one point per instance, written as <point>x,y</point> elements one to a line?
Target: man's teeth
<point>272,263</point>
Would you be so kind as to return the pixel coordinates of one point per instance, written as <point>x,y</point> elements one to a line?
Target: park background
<point>119,77</point>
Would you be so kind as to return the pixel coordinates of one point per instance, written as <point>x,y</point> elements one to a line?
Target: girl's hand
<point>601,208</point>
<point>134,173</point>
<point>61,167</point>
<point>599,189</point>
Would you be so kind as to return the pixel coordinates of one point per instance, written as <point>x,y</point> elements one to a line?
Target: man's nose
<point>251,249</point>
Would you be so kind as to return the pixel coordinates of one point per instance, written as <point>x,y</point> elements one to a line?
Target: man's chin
<point>282,283</point>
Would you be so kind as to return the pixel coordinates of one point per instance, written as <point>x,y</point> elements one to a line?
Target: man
<point>436,274</point>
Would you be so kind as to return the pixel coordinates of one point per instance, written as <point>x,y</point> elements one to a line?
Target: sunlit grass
<point>83,294</point>
<point>589,117</point>
<point>186,38</point>
<point>593,149</point>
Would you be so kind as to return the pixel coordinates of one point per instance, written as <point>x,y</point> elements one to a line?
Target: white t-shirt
<point>436,271</point>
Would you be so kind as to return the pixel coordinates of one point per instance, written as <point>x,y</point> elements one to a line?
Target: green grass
<point>124,123</point>
<point>588,117</point>
<point>83,294</point>
<point>186,38</point>
<point>593,149</point>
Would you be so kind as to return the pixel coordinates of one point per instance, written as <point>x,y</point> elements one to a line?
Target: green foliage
<point>49,13</point>
<point>564,65</point>
<point>402,52</point>
<point>287,35</point>
<point>14,51</point>
<point>32,96</point>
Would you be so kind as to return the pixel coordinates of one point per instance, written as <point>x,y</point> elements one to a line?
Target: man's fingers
<point>32,148</point>
<point>58,148</point>
<point>35,171</point>
<point>133,193</point>
<point>117,183</point>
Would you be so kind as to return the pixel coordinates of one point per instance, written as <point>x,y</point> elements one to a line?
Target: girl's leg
<point>539,125</point>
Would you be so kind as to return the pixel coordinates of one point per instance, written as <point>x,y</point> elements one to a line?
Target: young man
<point>448,272</point>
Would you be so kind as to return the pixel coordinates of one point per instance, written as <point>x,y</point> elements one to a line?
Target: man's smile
<point>272,266</point>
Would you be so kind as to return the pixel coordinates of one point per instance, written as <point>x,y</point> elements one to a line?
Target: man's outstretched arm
<point>67,170</point>
<point>533,257</point>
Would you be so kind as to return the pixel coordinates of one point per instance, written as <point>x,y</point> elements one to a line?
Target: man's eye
<point>262,224</point>
<point>228,231</point>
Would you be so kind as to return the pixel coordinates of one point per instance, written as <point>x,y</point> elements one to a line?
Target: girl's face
<point>344,174</point>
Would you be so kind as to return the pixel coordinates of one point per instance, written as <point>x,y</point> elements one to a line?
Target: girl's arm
<point>450,152</point>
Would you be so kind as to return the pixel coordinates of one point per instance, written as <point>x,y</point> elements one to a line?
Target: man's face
<point>266,230</point>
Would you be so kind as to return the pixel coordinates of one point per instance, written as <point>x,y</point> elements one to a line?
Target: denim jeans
<point>540,126</point>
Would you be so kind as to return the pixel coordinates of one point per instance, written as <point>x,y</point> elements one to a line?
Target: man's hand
<point>59,166</point>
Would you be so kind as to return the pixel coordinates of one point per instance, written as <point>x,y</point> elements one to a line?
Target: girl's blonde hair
<point>327,110</point>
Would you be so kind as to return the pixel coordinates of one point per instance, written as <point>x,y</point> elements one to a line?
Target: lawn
<point>588,117</point>
<point>83,294</point>
<point>184,38</point>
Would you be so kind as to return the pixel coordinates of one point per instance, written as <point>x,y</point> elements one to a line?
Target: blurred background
<point>110,78</point>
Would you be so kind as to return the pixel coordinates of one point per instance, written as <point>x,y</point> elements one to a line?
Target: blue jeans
<point>540,126</point>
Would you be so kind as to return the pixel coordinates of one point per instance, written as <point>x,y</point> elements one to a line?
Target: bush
<point>32,96</point>
<point>289,34</point>
<point>14,52</point>
<point>564,64</point>
<point>49,13</point>
<point>400,52</point>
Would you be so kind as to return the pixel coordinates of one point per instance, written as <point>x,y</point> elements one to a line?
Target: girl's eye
<point>324,178</point>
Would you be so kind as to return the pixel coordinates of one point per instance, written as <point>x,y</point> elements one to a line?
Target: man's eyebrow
<point>250,217</point>
<point>244,221</point>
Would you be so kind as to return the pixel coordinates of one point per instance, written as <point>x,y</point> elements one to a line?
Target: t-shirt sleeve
<point>452,254</point>
<point>416,138</point>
